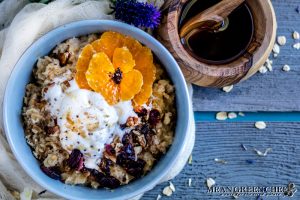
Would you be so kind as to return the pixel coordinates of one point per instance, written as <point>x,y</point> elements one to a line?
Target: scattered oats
<point>275,55</point>
<point>263,69</point>
<point>241,114</point>
<point>261,153</point>
<point>167,191</point>
<point>221,116</point>
<point>235,196</point>
<point>244,147</point>
<point>232,115</point>
<point>276,48</point>
<point>158,197</point>
<point>260,125</point>
<point>281,40</point>
<point>296,35</point>
<point>286,68</point>
<point>190,160</point>
<point>220,161</point>
<point>296,46</point>
<point>228,88</point>
<point>268,64</point>
<point>210,182</point>
<point>190,182</point>
<point>172,186</point>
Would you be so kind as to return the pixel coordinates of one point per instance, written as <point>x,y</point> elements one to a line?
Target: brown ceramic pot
<point>210,75</point>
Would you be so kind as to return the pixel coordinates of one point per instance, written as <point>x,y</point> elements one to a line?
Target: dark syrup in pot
<point>214,46</point>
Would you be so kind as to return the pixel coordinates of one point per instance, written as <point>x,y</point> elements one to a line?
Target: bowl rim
<point>185,101</point>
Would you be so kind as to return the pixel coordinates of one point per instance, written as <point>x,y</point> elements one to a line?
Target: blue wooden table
<point>273,97</point>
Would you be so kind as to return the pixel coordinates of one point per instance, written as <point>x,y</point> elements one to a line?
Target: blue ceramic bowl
<point>15,91</point>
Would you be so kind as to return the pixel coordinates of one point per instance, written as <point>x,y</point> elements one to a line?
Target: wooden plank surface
<point>223,140</point>
<point>273,91</point>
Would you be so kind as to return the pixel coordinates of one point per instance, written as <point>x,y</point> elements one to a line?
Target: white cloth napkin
<point>21,26</point>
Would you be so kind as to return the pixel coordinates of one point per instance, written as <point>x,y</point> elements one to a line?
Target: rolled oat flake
<point>286,68</point>
<point>167,191</point>
<point>276,49</point>
<point>228,88</point>
<point>296,35</point>
<point>260,125</point>
<point>221,116</point>
<point>281,40</point>
<point>210,182</point>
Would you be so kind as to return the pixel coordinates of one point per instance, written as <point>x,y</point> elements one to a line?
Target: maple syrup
<point>222,45</point>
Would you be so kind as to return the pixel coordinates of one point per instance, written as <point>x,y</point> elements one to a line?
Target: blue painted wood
<point>223,140</point>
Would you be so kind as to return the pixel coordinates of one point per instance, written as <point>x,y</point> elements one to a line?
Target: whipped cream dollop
<point>86,121</point>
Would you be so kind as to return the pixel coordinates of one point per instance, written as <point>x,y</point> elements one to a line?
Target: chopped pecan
<point>63,58</point>
<point>131,121</point>
<point>52,129</point>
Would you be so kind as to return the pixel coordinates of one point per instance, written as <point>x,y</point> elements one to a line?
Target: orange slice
<point>84,58</point>
<point>99,79</point>
<point>144,63</point>
<point>133,45</point>
<point>143,96</point>
<point>81,80</point>
<point>108,42</point>
<point>123,59</point>
<point>131,84</point>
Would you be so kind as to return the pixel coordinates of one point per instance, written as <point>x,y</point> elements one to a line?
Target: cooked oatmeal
<point>79,138</point>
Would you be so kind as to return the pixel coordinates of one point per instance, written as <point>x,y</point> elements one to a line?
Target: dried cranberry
<point>145,129</point>
<point>75,160</point>
<point>128,148</point>
<point>136,168</point>
<point>96,174</point>
<point>109,182</point>
<point>154,117</point>
<point>80,164</point>
<point>126,159</point>
<point>105,181</point>
<point>123,126</point>
<point>110,150</point>
<point>143,112</point>
<point>52,172</point>
<point>127,138</point>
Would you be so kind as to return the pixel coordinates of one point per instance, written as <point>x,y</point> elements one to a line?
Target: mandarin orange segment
<point>133,45</point>
<point>100,63</point>
<point>102,83</point>
<point>144,63</point>
<point>84,58</point>
<point>81,80</point>
<point>131,84</point>
<point>143,96</point>
<point>108,42</point>
<point>123,59</point>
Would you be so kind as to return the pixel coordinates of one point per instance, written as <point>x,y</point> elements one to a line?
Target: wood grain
<point>273,91</point>
<point>223,141</point>
<point>210,75</point>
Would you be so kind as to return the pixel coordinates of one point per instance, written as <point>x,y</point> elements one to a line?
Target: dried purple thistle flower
<point>144,15</point>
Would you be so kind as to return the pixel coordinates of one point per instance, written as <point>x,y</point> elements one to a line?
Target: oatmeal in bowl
<point>100,111</point>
